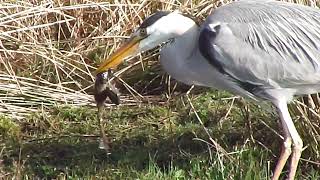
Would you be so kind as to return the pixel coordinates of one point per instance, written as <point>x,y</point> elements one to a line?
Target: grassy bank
<point>151,141</point>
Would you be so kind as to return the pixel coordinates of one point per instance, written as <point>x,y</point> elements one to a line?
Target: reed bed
<point>50,49</point>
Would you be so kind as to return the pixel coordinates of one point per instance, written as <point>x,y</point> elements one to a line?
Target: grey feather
<point>270,44</point>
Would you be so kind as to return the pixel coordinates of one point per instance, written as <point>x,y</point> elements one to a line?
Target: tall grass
<point>50,49</point>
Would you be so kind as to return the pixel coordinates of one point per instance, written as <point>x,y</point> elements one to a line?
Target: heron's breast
<point>173,64</point>
<point>188,68</point>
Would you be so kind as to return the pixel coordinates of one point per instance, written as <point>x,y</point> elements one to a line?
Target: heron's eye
<point>143,32</point>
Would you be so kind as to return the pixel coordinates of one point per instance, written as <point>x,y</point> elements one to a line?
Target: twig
<point>215,144</point>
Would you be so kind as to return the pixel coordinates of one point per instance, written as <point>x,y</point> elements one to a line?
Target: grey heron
<point>262,50</point>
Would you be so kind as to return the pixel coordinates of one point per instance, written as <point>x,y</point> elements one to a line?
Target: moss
<point>9,130</point>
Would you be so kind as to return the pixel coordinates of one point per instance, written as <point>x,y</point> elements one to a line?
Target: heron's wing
<point>264,43</point>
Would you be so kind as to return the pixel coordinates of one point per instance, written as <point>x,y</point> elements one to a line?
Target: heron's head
<point>156,29</point>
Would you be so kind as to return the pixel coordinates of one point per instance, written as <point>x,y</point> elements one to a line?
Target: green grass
<point>150,141</point>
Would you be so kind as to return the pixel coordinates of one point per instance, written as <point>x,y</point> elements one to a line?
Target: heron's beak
<point>129,48</point>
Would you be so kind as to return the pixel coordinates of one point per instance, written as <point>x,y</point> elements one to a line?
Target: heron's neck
<point>187,43</point>
<point>176,56</point>
<point>183,60</point>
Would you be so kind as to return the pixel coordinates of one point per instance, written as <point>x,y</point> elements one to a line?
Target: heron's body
<point>265,45</point>
<point>182,68</point>
<point>259,49</point>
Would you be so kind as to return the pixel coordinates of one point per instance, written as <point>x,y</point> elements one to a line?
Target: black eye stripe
<point>153,18</point>
<point>159,14</point>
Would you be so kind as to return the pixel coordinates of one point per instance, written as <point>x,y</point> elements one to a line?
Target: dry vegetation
<point>50,49</point>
